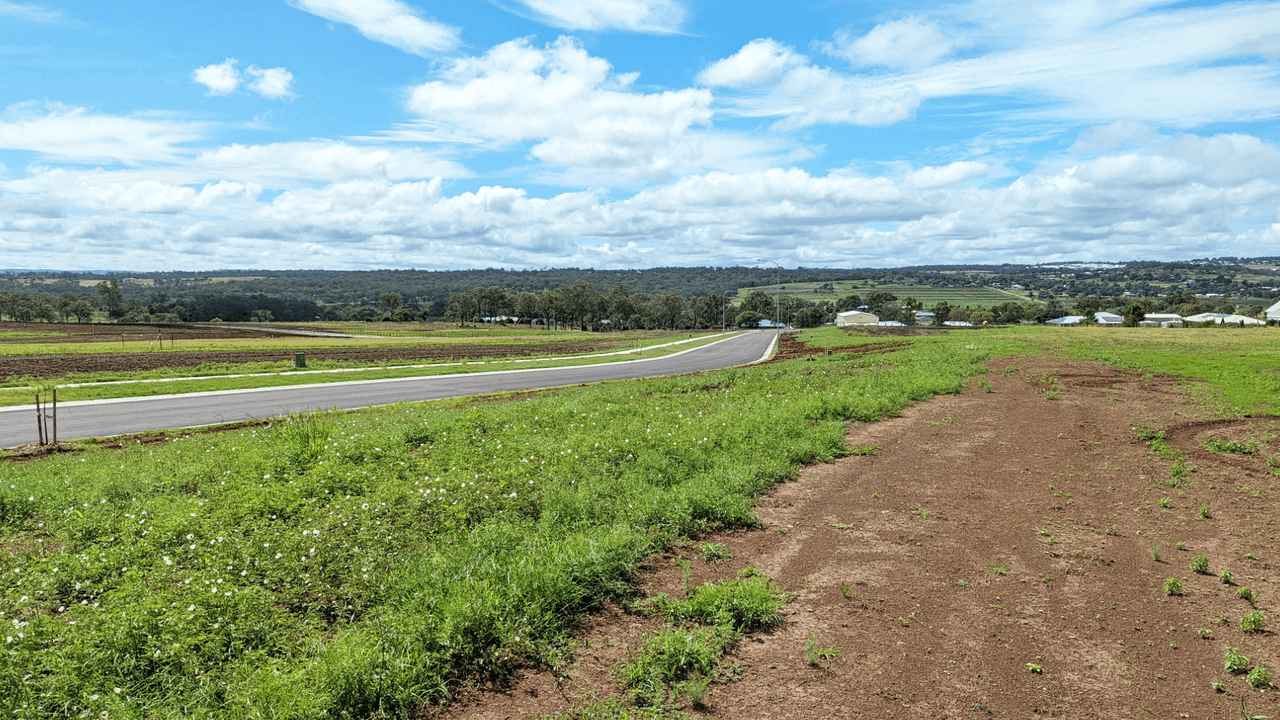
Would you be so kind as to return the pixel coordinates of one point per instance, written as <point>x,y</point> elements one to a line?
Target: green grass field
<point>928,295</point>
<point>371,564</point>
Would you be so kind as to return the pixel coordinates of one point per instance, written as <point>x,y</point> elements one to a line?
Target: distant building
<point>1066,320</point>
<point>1161,320</point>
<point>1106,318</point>
<point>1224,319</point>
<point>890,323</point>
<point>856,317</point>
<point>1273,312</point>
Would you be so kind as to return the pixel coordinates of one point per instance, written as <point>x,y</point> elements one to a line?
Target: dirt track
<point>1030,477</point>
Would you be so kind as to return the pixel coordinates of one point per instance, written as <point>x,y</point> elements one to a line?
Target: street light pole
<point>777,319</point>
<point>724,309</point>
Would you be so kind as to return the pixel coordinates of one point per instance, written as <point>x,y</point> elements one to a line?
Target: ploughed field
<point>144,352</point>
<point>982,523</point>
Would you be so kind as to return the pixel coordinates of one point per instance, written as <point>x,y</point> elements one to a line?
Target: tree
<point>620,307</point>
<point>941,313</point>
<point>849,302</point>
<point>1134,314</point>
<point>263,316</point>
<point>82,310</point>
<point>748,319</point>
<point>109,292</point>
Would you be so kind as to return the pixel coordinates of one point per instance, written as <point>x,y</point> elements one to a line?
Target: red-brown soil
<point>1042,476</point>
<point>791,349</point>
<point>54,366</point>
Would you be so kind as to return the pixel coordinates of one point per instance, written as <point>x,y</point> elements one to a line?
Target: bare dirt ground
<point>55,366</point>
<point>899,561</point>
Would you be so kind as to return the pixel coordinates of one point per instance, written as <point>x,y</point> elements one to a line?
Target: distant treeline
<point>573,295</point>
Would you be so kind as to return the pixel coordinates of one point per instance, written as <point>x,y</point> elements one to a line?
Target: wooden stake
<point>39,420</point>
<point>55,416</point>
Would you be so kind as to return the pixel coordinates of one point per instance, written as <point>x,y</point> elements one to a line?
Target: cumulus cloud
<point>646,16</point>
<point>225,78</point>
<point>271,83</point>
<point>575,109</point>
<point>1178,195</point>
<point>220,79</point>
<point>773,80</point>
<point>909,43</point>
<point>390,22</point>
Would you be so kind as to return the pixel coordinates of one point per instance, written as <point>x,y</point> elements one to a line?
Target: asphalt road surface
<point>99,418</point>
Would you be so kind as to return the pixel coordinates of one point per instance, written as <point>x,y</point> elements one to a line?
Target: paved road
<point>98,418</point>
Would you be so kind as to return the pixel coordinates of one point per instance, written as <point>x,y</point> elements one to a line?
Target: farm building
<point>1106,318</point>
<point>890,323</point>
<point>1273,312</point>
<point>1066,320</point>
<point>1161,320</point>
<point>1224,319</point>
<point>856,317</point>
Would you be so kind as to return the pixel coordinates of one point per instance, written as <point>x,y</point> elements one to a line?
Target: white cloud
<point>647,16</point>
<point>578,112</point>
<point>936,177</point>
<point>225,78</point>
<point>775,81</point>
<point>1183,67</point>
<point>1122,192</point>
<point>220,79</point>
<point>390,22</point>
<point>759,62</point>
<point>30,13</point>
<point>271,83</point>
<point>908,43</point>
<point>289,164</point>
<point>80,136</point>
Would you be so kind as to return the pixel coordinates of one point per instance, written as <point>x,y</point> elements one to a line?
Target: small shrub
<point>1155,553</point>
<point>1255,621</point>
<point>669,657</point>
<point>1204,512</point>
<point>864,450</point>
<point>712,552</point>
<point>1220,687</point>
<point>1245,593</point>
<point>1035,668</point>
<point>847,591</point>
<point>1164,502</point>
<point>1181,545</point>
<point>1259,677</point>
<point>1226,577</point>
<point>813,654</point>
<point>744,605</point>
<point>1173,586</point>
<point>1235,661</point>
<point>1200,565</point>
<point>963,583</point>
<point>1230,447</point>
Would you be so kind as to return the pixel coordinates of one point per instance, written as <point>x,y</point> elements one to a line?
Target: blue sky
<point>350,134</point>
